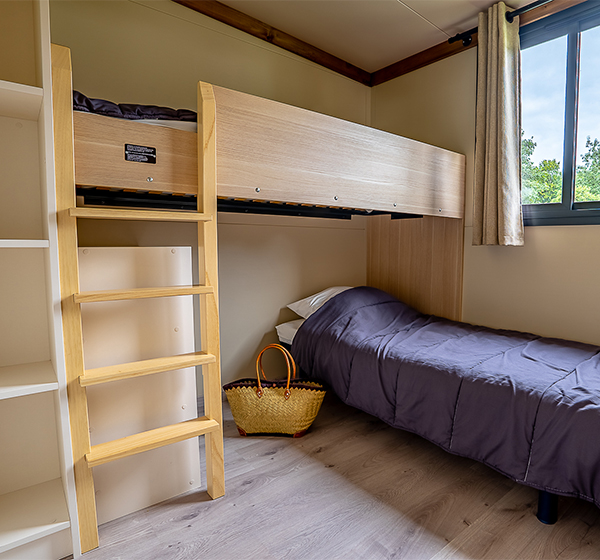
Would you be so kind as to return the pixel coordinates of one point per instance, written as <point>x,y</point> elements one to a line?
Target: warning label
<point>140,154</point>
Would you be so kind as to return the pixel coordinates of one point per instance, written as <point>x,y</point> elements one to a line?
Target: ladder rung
<point>134,214</point>
<point>130,445</point>
<point>140,293</point>
<point>145,367</point>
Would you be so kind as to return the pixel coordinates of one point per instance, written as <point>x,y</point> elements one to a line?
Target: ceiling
<point>370,34</point>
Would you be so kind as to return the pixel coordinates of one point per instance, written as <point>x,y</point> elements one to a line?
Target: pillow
<point>287,331</point>
<point>307,306</point>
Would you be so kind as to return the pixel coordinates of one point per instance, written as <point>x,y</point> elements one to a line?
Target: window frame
<point>571,22</point>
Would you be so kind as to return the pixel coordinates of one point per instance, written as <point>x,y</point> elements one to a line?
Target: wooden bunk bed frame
<point>254,151</point>
<point>272,152</point>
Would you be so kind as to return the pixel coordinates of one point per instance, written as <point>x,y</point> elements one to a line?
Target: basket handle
<point>291,369</point>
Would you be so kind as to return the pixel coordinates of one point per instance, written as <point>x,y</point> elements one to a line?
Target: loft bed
<point>272,158</point>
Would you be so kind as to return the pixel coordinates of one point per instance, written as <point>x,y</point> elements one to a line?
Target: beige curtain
<point>497,216</point>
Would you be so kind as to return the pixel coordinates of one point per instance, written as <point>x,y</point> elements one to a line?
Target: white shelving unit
<point>38,517</point>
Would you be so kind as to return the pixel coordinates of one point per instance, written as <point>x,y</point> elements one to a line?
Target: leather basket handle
<point>291,369</point>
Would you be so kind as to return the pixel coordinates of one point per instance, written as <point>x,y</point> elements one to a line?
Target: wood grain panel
<point>100,155</point>
<point>419,261</point>
<point>290,154</point>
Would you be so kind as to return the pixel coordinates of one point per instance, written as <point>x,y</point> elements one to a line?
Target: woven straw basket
<point>274,407</point>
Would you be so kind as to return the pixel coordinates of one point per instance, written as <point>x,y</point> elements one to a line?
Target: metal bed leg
<point>547,508</point>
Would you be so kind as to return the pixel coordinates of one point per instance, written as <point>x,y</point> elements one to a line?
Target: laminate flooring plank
<point>352,489</point>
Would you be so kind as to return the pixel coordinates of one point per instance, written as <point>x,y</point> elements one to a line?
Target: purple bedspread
<point>526,406</point>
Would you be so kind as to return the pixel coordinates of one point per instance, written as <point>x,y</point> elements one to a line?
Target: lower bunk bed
<point>527,406</point>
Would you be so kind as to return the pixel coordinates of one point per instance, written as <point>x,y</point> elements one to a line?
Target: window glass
<point>543,70</point>
<point>587,178</point>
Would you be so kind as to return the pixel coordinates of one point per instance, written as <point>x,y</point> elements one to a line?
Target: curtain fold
<point>497,214</point>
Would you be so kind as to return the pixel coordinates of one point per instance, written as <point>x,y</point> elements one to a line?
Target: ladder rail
<point>86,456</point>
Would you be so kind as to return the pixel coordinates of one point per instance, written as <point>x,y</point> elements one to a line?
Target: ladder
<point>85,456</point>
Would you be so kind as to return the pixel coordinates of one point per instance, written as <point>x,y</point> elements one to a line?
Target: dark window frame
<point>570,22</point>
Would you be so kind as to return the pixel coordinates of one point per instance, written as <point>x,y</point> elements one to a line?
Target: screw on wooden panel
<point>439,210</point>
<point>257,189</point>
<point>335,198</point>
<point>395,205</point>
<point>149,179</point>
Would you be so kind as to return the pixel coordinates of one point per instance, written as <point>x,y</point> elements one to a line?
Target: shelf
<point>32,513</point>
<point>20,101</point>
<point>27,379</point>
<point>24,244</point>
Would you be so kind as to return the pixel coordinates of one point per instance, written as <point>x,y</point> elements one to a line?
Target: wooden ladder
<point>86,456</point>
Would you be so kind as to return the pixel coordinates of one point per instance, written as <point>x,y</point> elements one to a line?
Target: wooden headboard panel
<point>418,261</point>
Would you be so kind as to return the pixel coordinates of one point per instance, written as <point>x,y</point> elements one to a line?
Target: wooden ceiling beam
<point>257,28</point>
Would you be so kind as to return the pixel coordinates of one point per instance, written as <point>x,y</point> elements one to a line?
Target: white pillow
<point>287,331</point>
<point>307,306</point>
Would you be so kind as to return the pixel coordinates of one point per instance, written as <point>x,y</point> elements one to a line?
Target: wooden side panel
<point>100,155</point>
<point>419,261</point>
<point>272,151</point>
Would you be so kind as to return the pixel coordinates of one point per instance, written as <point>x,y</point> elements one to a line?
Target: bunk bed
<point>248,154</point>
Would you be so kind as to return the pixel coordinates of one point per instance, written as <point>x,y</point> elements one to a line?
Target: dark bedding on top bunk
<point>525,405</point>
<point>130,111</point>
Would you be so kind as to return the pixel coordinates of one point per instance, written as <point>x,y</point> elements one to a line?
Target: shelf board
<point>20,101</point>
<point>32,513</point>
<point>24,244</point>
<point>27,379</point>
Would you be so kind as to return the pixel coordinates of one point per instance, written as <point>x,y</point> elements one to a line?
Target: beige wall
<point>154,52</point>
<point>549,286</point>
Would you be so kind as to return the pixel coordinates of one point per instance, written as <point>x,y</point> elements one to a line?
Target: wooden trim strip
<point>420,60</point>
<point>257,28</point>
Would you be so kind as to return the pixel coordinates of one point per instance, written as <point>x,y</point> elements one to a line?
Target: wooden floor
<point>352,488</point>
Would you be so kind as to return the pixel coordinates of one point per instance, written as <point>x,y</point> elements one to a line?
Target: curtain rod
<point>466,36</point>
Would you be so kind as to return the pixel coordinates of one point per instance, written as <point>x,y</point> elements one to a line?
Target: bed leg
<point>547,507</point>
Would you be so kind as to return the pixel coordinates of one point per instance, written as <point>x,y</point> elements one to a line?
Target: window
<point>560,99</point>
